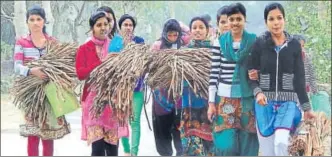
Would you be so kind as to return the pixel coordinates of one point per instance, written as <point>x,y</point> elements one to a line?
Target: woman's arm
<point>214,74</point>
<point>299,79</point>
<point>253,63</point>
<point>20,69</point>
<point>139,40</point>
<point>310,71</point>
<point>82,68</point>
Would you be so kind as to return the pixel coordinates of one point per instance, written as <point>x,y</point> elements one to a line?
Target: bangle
<point>28,72</point>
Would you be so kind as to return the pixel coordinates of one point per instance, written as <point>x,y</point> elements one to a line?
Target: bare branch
<point>79,19</point>
<point>3,14</point>
<point>56,8</point>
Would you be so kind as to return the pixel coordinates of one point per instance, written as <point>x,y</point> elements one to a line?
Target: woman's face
<point>275,22</point>
<point>222,24</point>
<point>199,30</point>
<point>172,36</point>
<point>101,28</point>
<point>111,23</point>
<point>236,23</point>
<point>127,26</point>
<point>35,23</point>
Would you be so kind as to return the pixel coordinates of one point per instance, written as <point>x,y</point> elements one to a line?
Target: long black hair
<point>110,11</point>
<point>272,6</point>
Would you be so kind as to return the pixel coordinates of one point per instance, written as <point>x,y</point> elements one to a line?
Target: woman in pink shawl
<point>101,132</point>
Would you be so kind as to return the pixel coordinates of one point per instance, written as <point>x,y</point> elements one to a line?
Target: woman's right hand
<point>211,111</point>
<point>261,99</point>
<point>253,74</point>
<point>37,71</point>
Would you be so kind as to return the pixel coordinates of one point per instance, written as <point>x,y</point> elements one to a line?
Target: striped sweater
<point>310,76</point>
<point>221,75</point>
<point>24,52</point>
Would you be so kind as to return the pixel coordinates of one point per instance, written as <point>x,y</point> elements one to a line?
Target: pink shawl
<point>106,120</point>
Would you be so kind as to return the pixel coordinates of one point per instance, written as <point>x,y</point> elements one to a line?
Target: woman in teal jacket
<point>127,25</point>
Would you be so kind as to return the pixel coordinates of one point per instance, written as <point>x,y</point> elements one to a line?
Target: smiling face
<point>236,23</point>
<point>35,23</point>
<point>199,30</point>
<point>101,28</point>
<point>275,22</point>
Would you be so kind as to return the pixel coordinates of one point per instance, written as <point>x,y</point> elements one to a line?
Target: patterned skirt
<point>231,113</point>
<point>51,129</point>
<point>234,131</point>
<point>196,133</point>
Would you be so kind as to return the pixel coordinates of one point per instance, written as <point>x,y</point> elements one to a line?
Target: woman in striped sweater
<point>310,77</point>
<point>32,47</point>
<point>231,112</point>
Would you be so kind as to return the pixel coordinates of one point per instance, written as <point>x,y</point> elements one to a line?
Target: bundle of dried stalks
<point>312,137</point>
<point>115,79</point>
<point>172,68</point>
<point>59,65</point>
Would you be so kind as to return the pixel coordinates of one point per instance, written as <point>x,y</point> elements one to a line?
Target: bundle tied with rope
<point>312,137</point>
<point>59,65</point>
<point>115,79</point>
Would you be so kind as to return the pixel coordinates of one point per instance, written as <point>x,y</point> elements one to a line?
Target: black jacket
<point>290,84</point>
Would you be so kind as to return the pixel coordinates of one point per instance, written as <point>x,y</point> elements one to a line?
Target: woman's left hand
<point>110,55</point>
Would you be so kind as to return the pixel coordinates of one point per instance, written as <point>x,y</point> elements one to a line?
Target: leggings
<point>33,146</point>
<point>100,147</point>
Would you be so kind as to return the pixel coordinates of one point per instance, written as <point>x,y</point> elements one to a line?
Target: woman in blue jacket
<point>127,26</point>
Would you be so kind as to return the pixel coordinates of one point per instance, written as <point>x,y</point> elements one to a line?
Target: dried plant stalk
<point>59,65</point>
<point>115,79</point>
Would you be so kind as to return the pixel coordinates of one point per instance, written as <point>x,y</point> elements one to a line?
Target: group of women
<point>257,86</point>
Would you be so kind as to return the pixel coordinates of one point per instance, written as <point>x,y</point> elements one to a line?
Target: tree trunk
<point>49,16</point>
<point>322,12</point>
<point>20,19</point>
<point>171,9</point>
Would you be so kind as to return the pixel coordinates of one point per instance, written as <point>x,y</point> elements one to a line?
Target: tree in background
<point>313,19</point>
<point>68,21</point>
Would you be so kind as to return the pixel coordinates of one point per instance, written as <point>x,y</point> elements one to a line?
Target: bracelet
<point>29,70</point>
